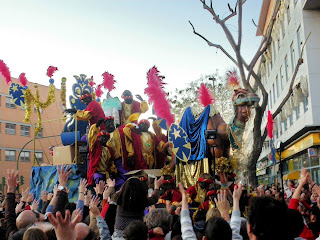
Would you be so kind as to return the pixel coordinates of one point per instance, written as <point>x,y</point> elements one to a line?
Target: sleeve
<point>80,205</point>
<point>293,204</point>
<point>103,229</point>
<point>10,215</point>
<point>128,139</point>
<point>83,115</point>
<point>154,198</point>
<point>235,225</point>
<point>115,143</point>
<point>144,106</point>
<point>186,226</point>
<point>93,135</point>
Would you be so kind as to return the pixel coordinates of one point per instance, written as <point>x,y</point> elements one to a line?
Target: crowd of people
<point>137,212</point>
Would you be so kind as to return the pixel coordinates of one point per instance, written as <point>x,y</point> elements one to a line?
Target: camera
<point>210,134</point>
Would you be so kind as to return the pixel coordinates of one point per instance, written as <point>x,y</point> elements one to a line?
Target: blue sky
<point>125,38</point>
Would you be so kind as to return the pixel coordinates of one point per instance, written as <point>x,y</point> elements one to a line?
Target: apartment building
<point>298,125</point>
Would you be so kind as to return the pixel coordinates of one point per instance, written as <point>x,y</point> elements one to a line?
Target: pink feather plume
<point>205,96</point>
<point>108,81</point>
<point>92,83</point>
<point>23,80</point>
<point>158,96</point>
<point>51,71</point>
<point>4,70</point>
<point>270,125</point>
<point>99,92</point>
<point>232,78</point>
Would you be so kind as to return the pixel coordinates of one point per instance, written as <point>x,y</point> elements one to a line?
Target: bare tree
<point>258,136</point>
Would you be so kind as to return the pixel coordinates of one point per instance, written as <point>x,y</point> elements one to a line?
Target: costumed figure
<point>130,106</point>
<point>141,146</point>
<point>197,194</point>
<point>101,156</point>
<point>111,107</point>
<point>92,113</point>
<point>171,193</point>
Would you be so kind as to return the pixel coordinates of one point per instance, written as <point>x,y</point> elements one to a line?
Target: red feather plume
<point>205,96</point>
<point>108,81</point>
<point>99,92</point>
<point>158,96</point>
<point>270,125</point>
<point>51,71</point>
<point>4,70</point>
<point>23,80</point>
<point>232,78</point>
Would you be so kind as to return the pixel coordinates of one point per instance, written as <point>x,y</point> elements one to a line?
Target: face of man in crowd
<point>109,125</point>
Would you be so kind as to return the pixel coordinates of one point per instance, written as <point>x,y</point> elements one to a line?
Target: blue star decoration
<point>16,92</point>
<point>181,144</point>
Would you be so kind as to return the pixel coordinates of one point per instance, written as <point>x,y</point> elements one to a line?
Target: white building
<point>298,125</point>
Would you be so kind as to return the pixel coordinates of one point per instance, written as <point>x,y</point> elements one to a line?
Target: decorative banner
<point>180,141</point>
<point>16,92</point>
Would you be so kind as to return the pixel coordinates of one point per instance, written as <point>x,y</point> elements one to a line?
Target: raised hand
<point>158,182</point>
<point>83,185</point>
<point>110,182</point>
<point>100,187</point>
<point>30,197</point>
<point>223,204</point>
<point>184,201</point>
<point>95,201</point>
<point>63,175</point>
<point>44,196</point>
<point>94,211</point>
<point>75,213</point>
<point>64,228</point>
<point>35,204</point>
<point>139,97</point>
<point>11,180</point>
<point>24,195</point>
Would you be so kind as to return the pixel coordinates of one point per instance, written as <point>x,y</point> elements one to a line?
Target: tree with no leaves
<point>247,72</point>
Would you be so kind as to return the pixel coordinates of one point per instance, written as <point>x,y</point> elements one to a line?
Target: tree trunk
<point>257,143</point>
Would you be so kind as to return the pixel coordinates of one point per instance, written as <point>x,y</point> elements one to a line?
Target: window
<point>25,156</point>
<point>39,156</point>
<point>305,103</point>
<point>10,129</point>
<point>293,59</point>
<point>274,50</point>
<point>40,133</point>
<point>288,14</point>
<point>274,94</point>
<point>286,68</point>
<point>281,78</point>
<point>291,119</point>
<point>35,110</point>
<point>299,42</point>
<point>9,103</point>
<point>10,155</point>
<point>285,125</point>
<point>283,29</point>
<point>277,86</point>
<point>297,108</point>
<point>25,130</point>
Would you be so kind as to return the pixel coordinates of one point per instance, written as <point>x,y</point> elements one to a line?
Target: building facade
<point>18,150</point>
<point>298,125</point>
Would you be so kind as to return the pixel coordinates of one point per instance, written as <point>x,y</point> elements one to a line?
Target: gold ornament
<point>223,165</point>
<point>63,92</point>
<point>30,98</point>
<point>166,170</point>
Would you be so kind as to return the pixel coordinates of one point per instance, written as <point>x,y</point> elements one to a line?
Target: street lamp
<point>280,148</point>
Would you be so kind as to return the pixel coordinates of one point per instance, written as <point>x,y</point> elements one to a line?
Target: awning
<point>292,176</point>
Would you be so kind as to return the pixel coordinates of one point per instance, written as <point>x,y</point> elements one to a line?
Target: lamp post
<point>280,149</point>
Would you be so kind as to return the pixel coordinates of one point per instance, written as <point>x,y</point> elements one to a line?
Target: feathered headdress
<point>51,71</point>
<point>157,96</point>
<point>232,79</point>
<point>23,80</point>
<point>99,92</point>
<point>205,96</point>
<point>270,125</point>
<point>4,70</point>
<point>108,81</point>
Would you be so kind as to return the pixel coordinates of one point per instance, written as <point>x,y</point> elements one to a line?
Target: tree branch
<point>214,45</point>
<point>240,24</point>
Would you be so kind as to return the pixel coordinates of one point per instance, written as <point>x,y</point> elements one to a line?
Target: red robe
<point>95,156</point>
<point>97,113</point>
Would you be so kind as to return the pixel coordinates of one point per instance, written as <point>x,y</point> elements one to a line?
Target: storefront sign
<point>312,152</point>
